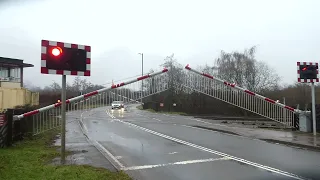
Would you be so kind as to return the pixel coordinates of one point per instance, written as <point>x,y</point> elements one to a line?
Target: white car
<point>117,105</point>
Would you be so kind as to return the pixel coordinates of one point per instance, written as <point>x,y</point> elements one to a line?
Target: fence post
<point>9,117</point>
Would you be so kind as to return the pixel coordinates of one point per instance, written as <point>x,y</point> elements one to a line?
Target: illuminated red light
<point>56,51</point>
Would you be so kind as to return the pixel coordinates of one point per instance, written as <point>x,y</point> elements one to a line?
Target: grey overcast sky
<point>285,31</point>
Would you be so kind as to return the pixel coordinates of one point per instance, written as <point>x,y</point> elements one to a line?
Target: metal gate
<point>240,97</point>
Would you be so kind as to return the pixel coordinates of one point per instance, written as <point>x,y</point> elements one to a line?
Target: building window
<point>11,75</point>
<point>15,73</point>
<point>4,73</point>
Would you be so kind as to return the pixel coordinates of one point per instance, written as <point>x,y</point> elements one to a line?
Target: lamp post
<point>141,74</point>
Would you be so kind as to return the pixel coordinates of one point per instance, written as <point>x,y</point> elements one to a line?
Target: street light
<point>141,74</point>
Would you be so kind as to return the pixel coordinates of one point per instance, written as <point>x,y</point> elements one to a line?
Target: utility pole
<point>313,100</point>
<point>141,74</point>
<point>63,119</point>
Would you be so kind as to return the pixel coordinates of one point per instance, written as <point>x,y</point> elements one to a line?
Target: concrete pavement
<point>156,146</point>
<point>83,152</point>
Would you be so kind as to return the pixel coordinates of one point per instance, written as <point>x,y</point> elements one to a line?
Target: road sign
<point>161,104</point>
<point>307,72</point>
<point>65,58</point>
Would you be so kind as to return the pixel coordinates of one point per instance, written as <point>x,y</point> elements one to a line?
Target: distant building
<point>12,92</point>
<point>11,72</point>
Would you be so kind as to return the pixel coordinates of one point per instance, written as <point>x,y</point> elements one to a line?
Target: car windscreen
<point>117,102</point>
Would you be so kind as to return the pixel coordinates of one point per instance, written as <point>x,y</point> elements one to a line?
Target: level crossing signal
<point>65,58</point>
<point>307,72</point>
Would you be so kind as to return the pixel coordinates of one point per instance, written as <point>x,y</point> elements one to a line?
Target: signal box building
<point>11,72</point>
<point>12,92</point>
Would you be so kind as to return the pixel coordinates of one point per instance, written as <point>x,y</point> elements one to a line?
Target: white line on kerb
<point>271,169</point>
<point>105,152</point>
<point>81,119</point>
<point>175,163</point>
<point>99,147</point>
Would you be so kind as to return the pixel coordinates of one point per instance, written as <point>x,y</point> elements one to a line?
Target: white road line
<point>175,163</point>
<point>173,153</point>
<point>271,169</point>
<point>156,119</point>
<point>111,115</point>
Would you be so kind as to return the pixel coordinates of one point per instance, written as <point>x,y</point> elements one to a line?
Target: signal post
<point>308,72</point>
<point>65,59</point>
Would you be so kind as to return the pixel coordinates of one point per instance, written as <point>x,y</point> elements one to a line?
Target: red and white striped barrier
<point>68,101</point>
<point>244,90</point>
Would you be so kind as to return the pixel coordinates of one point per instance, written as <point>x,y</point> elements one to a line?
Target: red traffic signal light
<point>65,58</point>
<point>56,51</point>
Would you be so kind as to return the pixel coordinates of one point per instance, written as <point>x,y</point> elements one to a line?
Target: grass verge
<point>31,158</point>
<point>166,112</point>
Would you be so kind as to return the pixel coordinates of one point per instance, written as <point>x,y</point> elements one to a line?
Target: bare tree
<point>175,74</point>
<point>262,78</point>
<point>55,87</point>
<point>243,69</point>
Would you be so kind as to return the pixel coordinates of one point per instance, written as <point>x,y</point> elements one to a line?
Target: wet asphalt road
<point>157,146</point>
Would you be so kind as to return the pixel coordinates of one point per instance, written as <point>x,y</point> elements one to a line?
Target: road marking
<point>267,168</point>
<point>175,163</point>
<point>111,115</point>
<point>156,119</point>
<point>173,153</point>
